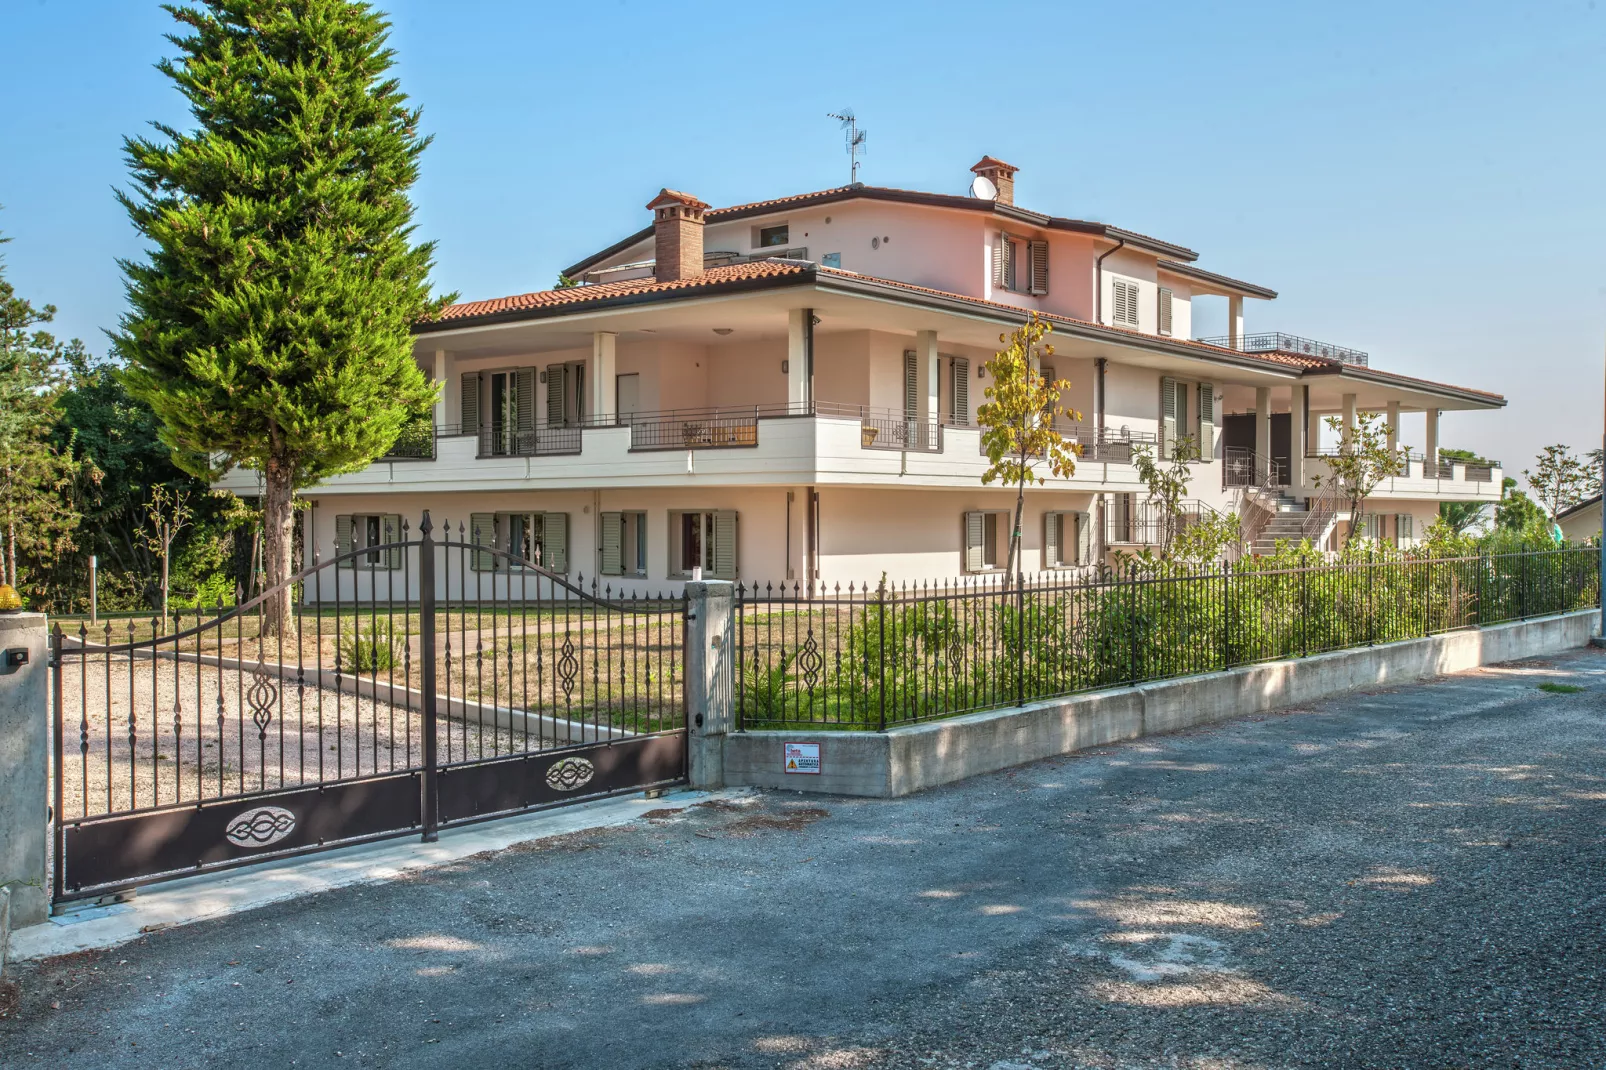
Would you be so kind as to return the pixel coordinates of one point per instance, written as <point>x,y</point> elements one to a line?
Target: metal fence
<point>873,657</point>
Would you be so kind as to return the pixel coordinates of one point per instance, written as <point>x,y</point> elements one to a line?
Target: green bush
<point>371,653</point>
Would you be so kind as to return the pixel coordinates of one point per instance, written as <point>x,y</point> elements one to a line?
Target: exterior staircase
<point>1287,521</point>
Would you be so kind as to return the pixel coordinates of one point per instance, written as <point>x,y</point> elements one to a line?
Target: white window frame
<point>369,529</point>
<point>632,542</point>
<point>708,525</point>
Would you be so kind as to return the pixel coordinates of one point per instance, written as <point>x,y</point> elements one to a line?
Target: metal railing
<point>1279,342</point>
<point>1147,523</point>
<point>887,429</point>
<point>697,429</point>
<point>541,440</point>
<point>415,443</point>
<point>1245,468</point>
<point>875,656</point>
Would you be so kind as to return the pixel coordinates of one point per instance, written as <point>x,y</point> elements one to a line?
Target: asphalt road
<point>1410,878</point>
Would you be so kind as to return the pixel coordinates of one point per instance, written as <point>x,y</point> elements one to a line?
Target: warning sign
<point>801,758</point>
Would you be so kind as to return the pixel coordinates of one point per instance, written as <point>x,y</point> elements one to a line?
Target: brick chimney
<point>1001,175</point>
<point>677,224</point>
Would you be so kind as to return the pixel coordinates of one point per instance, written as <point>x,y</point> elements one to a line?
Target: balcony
<point>1278,342</point>
<point>1113,445</point>
<point>1144,523</point>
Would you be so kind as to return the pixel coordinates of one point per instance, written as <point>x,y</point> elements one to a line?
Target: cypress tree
<point>269,326</point>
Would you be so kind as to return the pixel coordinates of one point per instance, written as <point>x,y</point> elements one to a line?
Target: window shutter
<point>1404,528</point>
<point>974,538</point>
<point>911,385</point>
<point>1038,251</point>
<point>1000,261</point>
<point>1168,417</point>
<point>555,542</point>
<point>1084,539</point>
<point>554,395</point>
<point>471,403</point>
<point>961,392</point>
<point>1052,524</point>
<point>1049,378</point>
<point>391,531</point>
<point>526,414</point>
<point>482,532</point>
<point>343,543</point>
<point>612,537</point>
<point>1163,311</point>
<point>1207,421</point>
<point>725,545</point>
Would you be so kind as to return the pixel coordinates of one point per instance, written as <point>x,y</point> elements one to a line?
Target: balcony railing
<point>415,443</point>
<point>539,441</point>
<point>1242,470</point>
<point>1278,342</point>
<point>1112,444</point>
<point>697,429</point>
<point>887,429</point>
<point>1145,523</point>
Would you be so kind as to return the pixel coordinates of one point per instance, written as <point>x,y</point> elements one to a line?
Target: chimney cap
<point>667,197</point>
<point>992,165</point>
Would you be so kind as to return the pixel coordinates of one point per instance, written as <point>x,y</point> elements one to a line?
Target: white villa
<point>787,391</point>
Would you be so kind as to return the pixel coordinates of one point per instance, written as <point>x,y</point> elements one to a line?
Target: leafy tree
<point>270,325</point>
<point>1017,420</point>
<point>1594,463</point>
<point>1517,512</point>
<point>1168,484</point>
<point>1558,479</point>
<point>168,514</point>
<point>36,514</point>
<point>1462,517</point>
<point>1362,462</point>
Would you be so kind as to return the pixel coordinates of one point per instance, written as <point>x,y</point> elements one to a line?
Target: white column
<point>1262,431</point>
<point>928,375</point>
<point>24,761</point>
<point>1296,437</point>
<point>1394,425</point>
<point>1235,322</point>
<point>1430,443</point>
<point>1349,417</point>
<point>603,373</point>
<point>443,376</point>
<point>799,328</point>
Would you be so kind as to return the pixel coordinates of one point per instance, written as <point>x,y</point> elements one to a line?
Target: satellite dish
<point>982,187</point>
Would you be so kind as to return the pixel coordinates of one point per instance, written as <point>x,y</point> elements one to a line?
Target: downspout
<point>1098,282</point>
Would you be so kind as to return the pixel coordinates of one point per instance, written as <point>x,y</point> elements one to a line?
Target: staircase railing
<point>1323,507</point>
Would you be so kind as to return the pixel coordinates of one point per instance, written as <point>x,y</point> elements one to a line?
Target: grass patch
<point>1560,689</point>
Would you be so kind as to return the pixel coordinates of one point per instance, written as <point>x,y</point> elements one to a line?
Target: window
<point>1124,303</point>
<point>986,541</point>
<point>1173,416</point>
<point>705,540</point>
<point>1067,539</point>
<point>359,531</point>
<point>624,544</point>
<point>1020,264</point>
<point>1163,316</point>
<point>537,539</point>
<point>831,260</point>
<point>1037,259</point>
<point>565,393</point>
<point>1005,257</point>
<point>1047,372</point>
<point>1404,529</point>
<point>1372,526</point>
<point>770,237</point>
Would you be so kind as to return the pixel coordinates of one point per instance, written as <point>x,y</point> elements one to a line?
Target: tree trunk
<point>278,522</point>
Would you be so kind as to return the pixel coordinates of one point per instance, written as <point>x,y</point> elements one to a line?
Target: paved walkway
<point>1407,878</point>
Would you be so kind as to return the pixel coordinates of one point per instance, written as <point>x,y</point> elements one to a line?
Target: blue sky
<point>1422,181</point>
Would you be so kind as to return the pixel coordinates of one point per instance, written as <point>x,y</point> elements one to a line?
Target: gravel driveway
<point>1410,878</point>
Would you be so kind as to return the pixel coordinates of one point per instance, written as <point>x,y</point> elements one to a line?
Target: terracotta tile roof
<point>713,278</point>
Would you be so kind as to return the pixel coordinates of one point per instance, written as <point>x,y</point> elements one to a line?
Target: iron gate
<point>418,682</point>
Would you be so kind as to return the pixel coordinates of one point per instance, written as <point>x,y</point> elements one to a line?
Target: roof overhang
<point>1209,282</point>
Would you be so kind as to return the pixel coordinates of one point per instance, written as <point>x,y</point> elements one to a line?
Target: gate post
<point>24,761</point>
<point>430,802</point>
<point>710,680</point>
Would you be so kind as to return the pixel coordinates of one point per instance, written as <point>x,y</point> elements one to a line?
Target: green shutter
<point>961,392</point>
<point>1168,417</point>
<point>482,532</point>
<point>1084,539</point>
<point>525,399</point>
<point>911,385</point>
<point>555,542</point>
<point>724,545</point>
<point>343,544</point>
<point>612,557</point>
<point>554,395</point>
<point>975,537</point>
<point>1207,421</point>
<point>1052,523</point>
<point>391,531</point>
<point>471,403</point>
<point>1038,251</point>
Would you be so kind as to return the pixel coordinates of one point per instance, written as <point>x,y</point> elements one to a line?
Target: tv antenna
<point>855,136</point>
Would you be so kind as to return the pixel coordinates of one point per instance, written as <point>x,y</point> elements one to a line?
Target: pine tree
<point>269,327</point>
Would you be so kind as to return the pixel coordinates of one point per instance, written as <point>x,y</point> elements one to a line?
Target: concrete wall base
<point>24,766</point>
<point>905,760</point>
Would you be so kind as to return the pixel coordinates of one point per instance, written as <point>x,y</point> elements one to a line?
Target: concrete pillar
<point>800,359</point>
<point>24,761</point>
<point>1430,442</point>
<point>604,370</point>
<point>1349,417</point>
<point>710,679</point>
<point>928,376</point>
<point>443,376</point>
<point>1298,401</point>
<point>1394,426</point>
<point>1235,322</point>
<point>1262,432</point>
